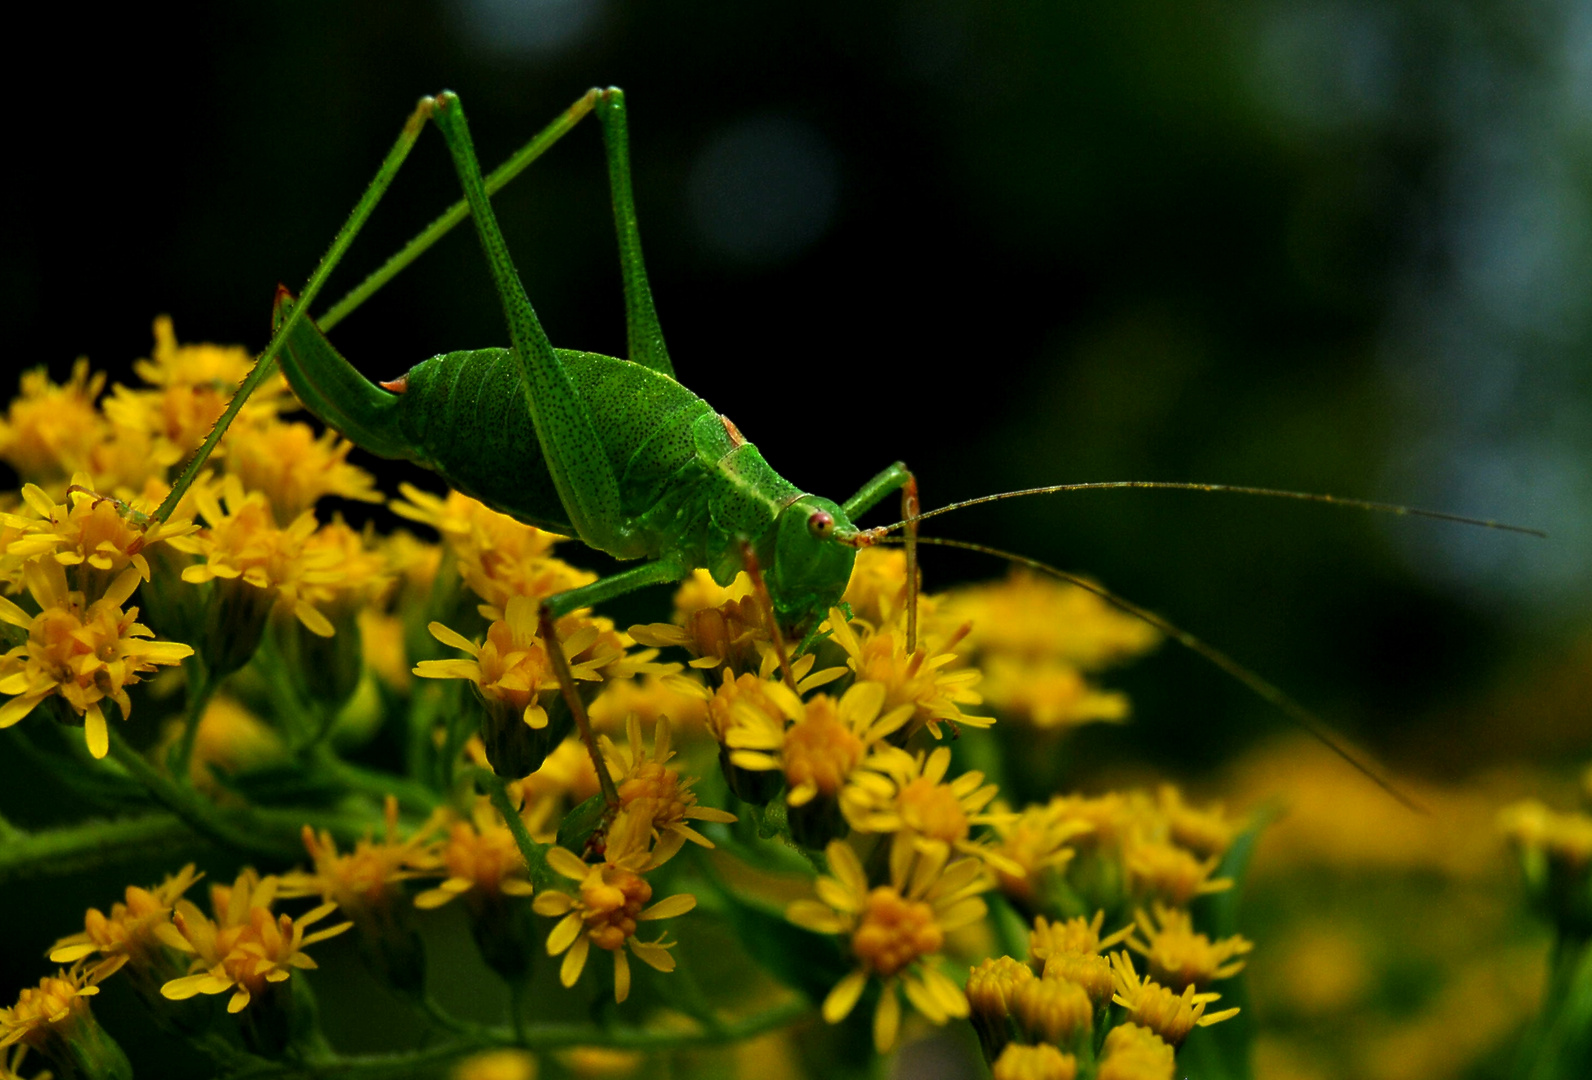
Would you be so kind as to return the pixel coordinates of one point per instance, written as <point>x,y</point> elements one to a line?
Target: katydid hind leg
<point>643,333</point>
<point>574,455</point>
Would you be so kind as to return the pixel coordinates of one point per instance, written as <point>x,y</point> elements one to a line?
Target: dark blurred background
<point>1334,246</point>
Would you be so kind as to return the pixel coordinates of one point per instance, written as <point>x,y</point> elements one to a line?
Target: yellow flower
<point>47,1014</point>
<point>895,932</point>
<point>81,653</point>
<point>1031,618</point>
<point>607,907</point>
<point>920,678</point>
<point>1043,1062</point>
<point>295,468</point>
<point>127,935</point>
<point>51,430</point>
<point>1054,1011</point>
<point>1170,1015</point>
<point>244,543</point>
<point>511,668</point>
<point>646,782</point>
<point>1156,868</point>
<point>245,949</point>
<point>481,860</point>
<point>364,881</point>
<point>92,532</point>
<point>1050,695</point>
<point>1178,956</point>
<point>1074,935</point>
<point>1037,841</point>
<point>907,796</point>
<point>1070,951</point>
<point>497,556</point>
<point>680,698</point>
<point>1132,1052</point>
<point>878,588</point>
<point>1204,832</point>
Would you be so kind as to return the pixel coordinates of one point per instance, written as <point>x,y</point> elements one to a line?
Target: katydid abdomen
<point>691,486</point>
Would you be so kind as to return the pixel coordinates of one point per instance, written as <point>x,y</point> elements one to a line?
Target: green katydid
<point>613,451</point>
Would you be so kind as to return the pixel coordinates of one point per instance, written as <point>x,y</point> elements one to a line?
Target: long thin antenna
<point>1312,724</point>
<point>1230,489</point>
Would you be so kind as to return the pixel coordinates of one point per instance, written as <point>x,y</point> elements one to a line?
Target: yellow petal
<point>843,998</point>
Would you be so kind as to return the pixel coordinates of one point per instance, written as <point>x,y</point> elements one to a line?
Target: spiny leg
<point>495,181</point>
<point>340,243</point>
<point>570,447</point>
<point>645,336</point>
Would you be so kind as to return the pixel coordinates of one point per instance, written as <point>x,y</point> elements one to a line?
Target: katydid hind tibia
<point>613,451</point>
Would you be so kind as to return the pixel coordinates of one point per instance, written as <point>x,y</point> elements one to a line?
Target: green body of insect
<point>615,452</point>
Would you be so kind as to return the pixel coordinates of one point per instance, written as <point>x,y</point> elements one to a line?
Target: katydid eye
<point>821,524</point>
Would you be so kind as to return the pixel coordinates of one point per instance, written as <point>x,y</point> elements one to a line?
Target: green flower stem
<point>537,1037</point>
<point>73,848</point>
<point>9,833</point>
<point>535,854</point>
<point>238,829</point>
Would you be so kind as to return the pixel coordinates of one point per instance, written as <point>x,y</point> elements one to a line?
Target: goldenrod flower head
<point>991,984</point>
<point>1070,951</point>
<point>50,431</point>
<point>497,556</point>
<point>908,796</point>
<point>1158,869</point>
<point>512,670</point>
<point>1037,840</point>
<point>829,740</point>
<point>1096,821</point>
<point>1091,971</point>
<point>1074,935</point>
<point>496,1065</point>
<point>565,778</point>
<point>606,909</point>
<point>50,1011</point>
<point>747,716</point>
<point>203,364</point>
<point>363,881</point>
<point>1050,695</point>
<point>97,534</point>
<point>924,678</point>
<point>1053,1010</point>
<point>895,932</point>
<point>1178,956</point>
<point>877,590</point>
<point>1038,618</point>
<point>481,860</point>
<point>81,653</point>
<point>1205,832</point>
<point>295,468</point>
<point>1042,1062</point>
<point>243,542</point>
<point>1132,1052</point>
<point>1168,1014</point>
<point>735,633</point>
<point>127,934</point>
<point>246,948</point>
<point>646,782</point>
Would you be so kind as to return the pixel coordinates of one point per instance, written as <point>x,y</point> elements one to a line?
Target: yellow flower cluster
<point>558,767</point>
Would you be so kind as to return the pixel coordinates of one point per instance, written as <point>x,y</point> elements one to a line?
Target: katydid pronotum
<point>613,451</point>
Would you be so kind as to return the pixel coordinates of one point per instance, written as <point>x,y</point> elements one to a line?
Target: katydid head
<point>812,561</point>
